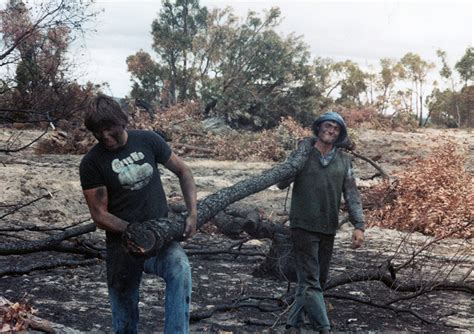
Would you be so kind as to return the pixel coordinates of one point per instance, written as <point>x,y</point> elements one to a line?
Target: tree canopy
<point>38,75</point>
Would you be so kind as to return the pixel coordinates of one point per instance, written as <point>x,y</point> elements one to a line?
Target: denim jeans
<point>313,253</point>
<point>124,273</point>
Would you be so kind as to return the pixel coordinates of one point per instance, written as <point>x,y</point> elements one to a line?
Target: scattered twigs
<point>427,245</point>
<point>378,305</point>
<point>241,303</point>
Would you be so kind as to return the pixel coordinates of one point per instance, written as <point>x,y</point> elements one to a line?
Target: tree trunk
<point>147,237</point>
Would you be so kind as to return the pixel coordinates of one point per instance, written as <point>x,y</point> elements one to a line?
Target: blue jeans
<point>313,253</point>
<point>124,273</point>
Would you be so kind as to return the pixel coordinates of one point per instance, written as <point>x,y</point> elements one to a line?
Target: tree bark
<point>145,238</point>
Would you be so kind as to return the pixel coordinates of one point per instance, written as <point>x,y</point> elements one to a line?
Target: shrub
<point>434,197</point>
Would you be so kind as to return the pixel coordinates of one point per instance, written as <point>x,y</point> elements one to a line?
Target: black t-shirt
<point>134,188</point>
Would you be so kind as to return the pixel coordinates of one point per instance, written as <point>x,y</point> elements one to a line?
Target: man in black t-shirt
<point>121,184</point>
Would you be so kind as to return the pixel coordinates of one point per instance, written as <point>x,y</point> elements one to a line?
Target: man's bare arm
<point>188,188</point>
<point>97,201</point>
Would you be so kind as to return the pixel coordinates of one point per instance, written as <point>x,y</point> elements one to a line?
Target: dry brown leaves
<point>14,316</point>
<point>435,197</point>
<point>182,124</point>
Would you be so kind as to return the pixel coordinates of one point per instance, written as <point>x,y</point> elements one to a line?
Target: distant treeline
<point>239,69</point>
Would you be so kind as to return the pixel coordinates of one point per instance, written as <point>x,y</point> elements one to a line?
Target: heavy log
<point>147,237</point>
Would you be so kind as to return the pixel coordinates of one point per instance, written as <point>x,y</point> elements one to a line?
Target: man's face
<point>329,132</point>
<point>111,137</point>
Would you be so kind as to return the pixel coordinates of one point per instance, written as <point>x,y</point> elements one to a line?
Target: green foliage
<point>453,107</point>
<point>146,77</point>
<point>260,76</point>
<point>173,33</point>
<point>387,79</point>
<point>242,71</point>
<point>465,66</point>
<point>352,85</point>
<point>415,69</point>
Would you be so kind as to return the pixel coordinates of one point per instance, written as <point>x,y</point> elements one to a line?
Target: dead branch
<point>371,162</point>
<point>28,268</point>
<point>7,150</point>
<point>44,244</point>
<point>82,249</point>
<point>21,206</point>
<point>35,228</point>
<point>210,310</point>
<point>386,277</point>
<point>145,238</point>
<point>383,306</point>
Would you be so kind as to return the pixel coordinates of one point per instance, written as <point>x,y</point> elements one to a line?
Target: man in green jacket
<point>316,198</point>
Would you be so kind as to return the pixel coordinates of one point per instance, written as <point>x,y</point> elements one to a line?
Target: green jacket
<point>317,192</point>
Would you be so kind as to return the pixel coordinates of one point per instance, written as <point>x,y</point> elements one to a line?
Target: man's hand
<point>190,228</point>
<point>357,238</point>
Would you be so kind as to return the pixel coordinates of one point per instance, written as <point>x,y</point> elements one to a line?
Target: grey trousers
<point>313,253</point>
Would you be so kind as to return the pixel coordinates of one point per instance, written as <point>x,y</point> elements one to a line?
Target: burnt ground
<point>76,297</point>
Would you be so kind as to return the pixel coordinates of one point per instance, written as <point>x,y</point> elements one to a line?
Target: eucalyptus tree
<point>146,76</point>
<point>447,73</point>
<point>453,106</point>
<point>387,79</point>
<point>416,70</point>
<point>465,66</point>
<point>173,32</point>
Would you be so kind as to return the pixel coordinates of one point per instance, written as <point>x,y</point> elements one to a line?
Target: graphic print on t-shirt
<point>131,175</point>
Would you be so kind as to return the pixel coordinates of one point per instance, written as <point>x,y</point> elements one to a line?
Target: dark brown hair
<point>104,111</point>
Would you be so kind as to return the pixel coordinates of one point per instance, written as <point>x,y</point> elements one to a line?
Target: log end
<point>140,240</point>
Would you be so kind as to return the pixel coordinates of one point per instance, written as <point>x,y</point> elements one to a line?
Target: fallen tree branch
<point>210,310</point>
<point>386,278</point>
<point>20,206</point>
<point>24,146</point>
<point>28,268</point>
<point>35,228</point>
<point>383,306</point>
<point>371,162</point>
<point>146,238</point>
<point>68,247</point>
<point>44,244</point>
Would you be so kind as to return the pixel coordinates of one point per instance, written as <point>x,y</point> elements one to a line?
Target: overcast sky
<point>363,31</point>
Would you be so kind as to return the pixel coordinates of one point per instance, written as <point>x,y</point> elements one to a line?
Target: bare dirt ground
<point>76,297</point>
